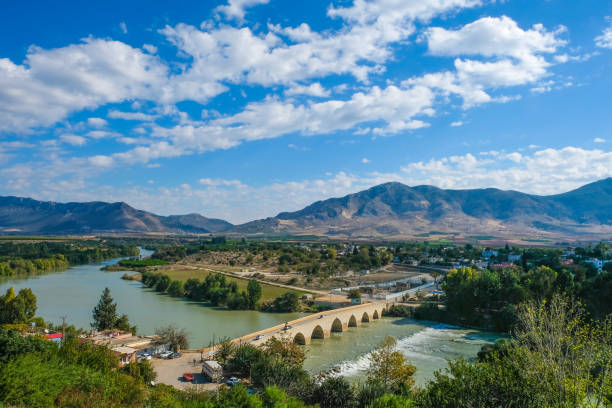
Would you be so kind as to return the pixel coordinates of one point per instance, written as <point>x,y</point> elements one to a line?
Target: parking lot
<point>170,372</point>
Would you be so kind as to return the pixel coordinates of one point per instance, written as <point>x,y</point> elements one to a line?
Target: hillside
<point>27,216</point>
<point>397,210</point>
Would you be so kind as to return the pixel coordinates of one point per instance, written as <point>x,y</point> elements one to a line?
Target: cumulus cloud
<point>236,9</point>
<point>74,140</point>
<point>365,160</point>
<point>314,89</point>
<point>54,83</point>
<point>599,140</point>
<point>96,122</point>
<point>605,39</point>
<point>510,56</point>
<point>546,171</point>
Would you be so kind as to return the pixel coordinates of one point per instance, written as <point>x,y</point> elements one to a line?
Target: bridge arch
<point>375,315</point>
<point>383,312</point>
<point>300,339</point>
<point>317,333</point>
<point>365,318</point>
<point>352,321</point>
<point>337,326</point>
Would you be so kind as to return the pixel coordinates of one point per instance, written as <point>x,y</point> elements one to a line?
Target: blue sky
<point>245,108</point>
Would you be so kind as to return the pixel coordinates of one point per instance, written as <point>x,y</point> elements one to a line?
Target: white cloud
<point>546,171</point>
<point>314,89</point>
<point>605,39</point>
<point>96,122</point>
<point>365,160</point>
<point>511,57</point>
<point>150,48</point>
<point>54,83</point>
<point>101,161</point>
<point>599,140</point>
<point>74,140</point>
<point>457,123</point>
<point>123,27</point>
<point>236,8</point>
<point>115,114</point>
<point>491,36</point>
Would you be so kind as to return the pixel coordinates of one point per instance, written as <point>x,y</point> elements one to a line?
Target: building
<point>55,337</point>
<point>213,370</point>
<point>598,263</point>
<point>489,253</point>
<point>126,354</point>
<point>514,257</point>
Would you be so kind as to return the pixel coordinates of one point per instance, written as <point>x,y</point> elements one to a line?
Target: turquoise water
<point>75,291</point>
<point>427,345</point>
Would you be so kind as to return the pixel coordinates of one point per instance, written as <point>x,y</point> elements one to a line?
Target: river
<point>426,344</point>
<point>74,293</point>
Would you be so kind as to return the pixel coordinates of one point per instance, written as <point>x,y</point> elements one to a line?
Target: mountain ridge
<point>395,209</point>
<point>392,210</point>
<point>29,216</point>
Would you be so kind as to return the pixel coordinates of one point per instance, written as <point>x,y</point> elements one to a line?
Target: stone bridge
<point>320,325</point>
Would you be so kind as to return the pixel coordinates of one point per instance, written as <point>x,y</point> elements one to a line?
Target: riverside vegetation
<point>555,357</point>
<point>29,258</point>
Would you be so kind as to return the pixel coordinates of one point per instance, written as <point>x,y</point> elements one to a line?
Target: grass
<point>268,292</point>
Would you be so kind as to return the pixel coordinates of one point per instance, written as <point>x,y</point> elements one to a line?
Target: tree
<point>289,302</point>
<point>225,349</point>
<point>354,294</point>
<point>176,288</point>
<point>105,313</point>
<point>390,367</point>
<point>172,337</point>
<point>17,309</point>
<point>254,293</point>
<point>435,275</point>
<point>335,392</point>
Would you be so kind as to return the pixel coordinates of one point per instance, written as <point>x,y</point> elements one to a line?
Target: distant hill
<point>397,210</point>
<point>27,216</point>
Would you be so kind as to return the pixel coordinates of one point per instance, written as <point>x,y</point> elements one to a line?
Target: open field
<point>268,292</point>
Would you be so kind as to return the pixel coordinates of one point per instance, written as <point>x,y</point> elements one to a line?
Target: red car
<point>188,377</point>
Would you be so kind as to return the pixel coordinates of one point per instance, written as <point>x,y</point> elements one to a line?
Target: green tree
<point>389,367</point>
<point>354,294</point>
<point>105,313</point>
<point>17,309</point>
<point>173,337</point>
<point>225,349</point>
<point>254,293</point>
<point>176,288</point>
<point>335,392</point>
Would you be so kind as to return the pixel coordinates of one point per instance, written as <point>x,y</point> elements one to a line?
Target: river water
<point>74,293</point>
<point>427,345</point>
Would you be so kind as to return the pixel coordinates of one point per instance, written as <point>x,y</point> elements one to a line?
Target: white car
<point>165,354</point>
<point>259,336</point>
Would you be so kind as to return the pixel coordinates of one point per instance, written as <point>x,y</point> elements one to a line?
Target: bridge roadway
<point>320,325</point>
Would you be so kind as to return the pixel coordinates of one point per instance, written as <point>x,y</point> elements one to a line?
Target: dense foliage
<point>218,290</point>
<point>46,256</point>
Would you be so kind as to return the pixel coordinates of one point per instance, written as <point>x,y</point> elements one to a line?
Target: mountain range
<point>390,210</point>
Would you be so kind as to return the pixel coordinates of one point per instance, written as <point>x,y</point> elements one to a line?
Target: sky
<point>240,109</point>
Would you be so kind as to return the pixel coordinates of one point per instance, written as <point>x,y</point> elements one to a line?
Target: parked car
<point>175,355</point>
<point>188,377</point>
<point>260,336</point>
<point>232,381</point>
<point>165,354</point>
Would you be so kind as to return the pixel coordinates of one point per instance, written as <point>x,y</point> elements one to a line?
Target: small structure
<point>213,370</point>
<point>356,301</point>
<point>55,337</point>
<point>306,296</point>
<point>126,355</point>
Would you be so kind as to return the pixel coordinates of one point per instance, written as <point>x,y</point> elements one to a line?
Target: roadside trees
<point>173,337</point>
